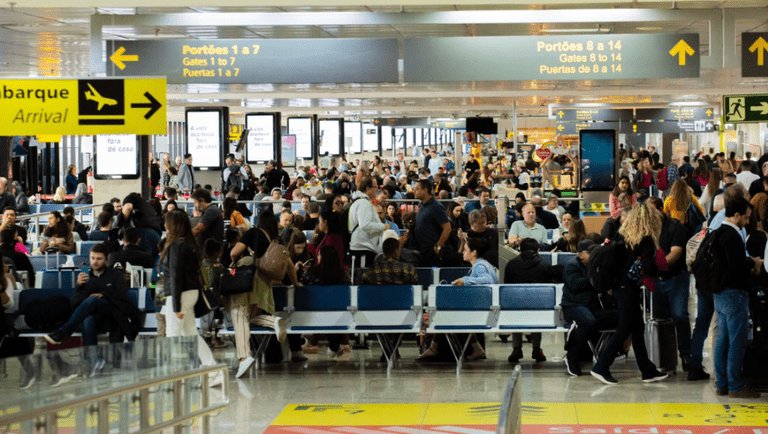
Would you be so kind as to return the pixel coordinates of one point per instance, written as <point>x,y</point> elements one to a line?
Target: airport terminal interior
<point>565,92</point>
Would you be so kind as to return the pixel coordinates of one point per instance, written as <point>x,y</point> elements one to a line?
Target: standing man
<point>732,302</point>
<point>239,173</point>
<point>745,176</point>
<point>471,166</point>
<point>271,175</point>
<point>325,162</point>
<point>186,177</point>
<point>432,224</point>
<point>211,224</point>
<point>670,299</point>
<point>364,224</point>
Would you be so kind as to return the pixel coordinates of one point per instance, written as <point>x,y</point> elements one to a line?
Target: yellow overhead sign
<point>83,106</point>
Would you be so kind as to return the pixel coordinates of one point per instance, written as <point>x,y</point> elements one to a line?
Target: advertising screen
<point>302,129</point>
<point>204,138</point>
<point>353,137</point>
<point>117,157</point>
<point>261,137</point>
<point>289,151</point>
<point>598,159</point>
<point>329,136</point>
<point>370,138</point>
<point>386,138</point>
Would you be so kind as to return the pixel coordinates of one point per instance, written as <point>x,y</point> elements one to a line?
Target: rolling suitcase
<point>661,341</point>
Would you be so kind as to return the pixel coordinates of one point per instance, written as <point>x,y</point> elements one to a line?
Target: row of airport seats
<point>383,310</point>
<point>82,248</point>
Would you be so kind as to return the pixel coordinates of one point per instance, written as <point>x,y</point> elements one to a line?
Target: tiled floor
<point>256,400</point>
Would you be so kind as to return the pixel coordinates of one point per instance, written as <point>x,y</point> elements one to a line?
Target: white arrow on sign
<point>763,108</point>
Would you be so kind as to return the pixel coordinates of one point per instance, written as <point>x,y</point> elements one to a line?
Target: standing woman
<point>182,284</point>
<point>71,179</point>
<point>701,173</point>
<point>713,185</point>
<point>641,229</point>
<point>623,186</point>
<point>676,204</point>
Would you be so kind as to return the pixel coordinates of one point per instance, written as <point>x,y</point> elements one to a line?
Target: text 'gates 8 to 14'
<point>83,106</point>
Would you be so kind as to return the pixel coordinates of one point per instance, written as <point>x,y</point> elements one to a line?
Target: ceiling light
<point>648,29</point>
<point>588,30</point>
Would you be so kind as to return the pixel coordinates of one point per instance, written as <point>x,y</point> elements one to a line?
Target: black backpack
<point>694,219</point>
<point>233,179</point>
<point>47,314</point>
<point>707,268</point>
<point>606,265</point>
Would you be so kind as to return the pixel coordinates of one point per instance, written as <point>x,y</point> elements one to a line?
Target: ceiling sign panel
<point>567,57</point>
<point>593,114</point>
<point>238,61</point>
<point>675,113</point>
<point>740,109</point>
<point>754,54</point>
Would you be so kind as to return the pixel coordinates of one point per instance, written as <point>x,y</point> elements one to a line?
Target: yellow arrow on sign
<point>760,46</point>
<point>560,127</point>
<point>709,112</point>
<point>681,49</point>
<point>118,58</point>
<point>560,113</point>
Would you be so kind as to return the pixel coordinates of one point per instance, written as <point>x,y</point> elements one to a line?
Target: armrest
<point>352,309</point>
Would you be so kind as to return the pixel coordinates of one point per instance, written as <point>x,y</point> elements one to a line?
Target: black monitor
<point>482,125</point>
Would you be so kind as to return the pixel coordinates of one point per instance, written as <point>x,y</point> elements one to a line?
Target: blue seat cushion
<point>514,327</point>
<point>521,297</point>
<point>463,327</point>
<point>389,327</point>
<point>565,258</point>
<point>464,297</point>
<point>451,274</point>
<point>322,298</point>
<point>547,257</point>
<point>29,295</point>
<point>425,275</point>
<point>384,297</point>
<point>319,328</point>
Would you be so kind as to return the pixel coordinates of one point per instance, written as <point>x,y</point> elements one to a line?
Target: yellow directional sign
<point>83,106</point>
<point>760,46</point>
<point>560,113</point>
<point>119,57</point>
<point>682,49</point>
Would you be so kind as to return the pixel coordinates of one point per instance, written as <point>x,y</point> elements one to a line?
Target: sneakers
<point>55,338</point>
<point>572,366</point>
<point>29,380</point>
<point>216,379</point>
<point>696,374</point>
<point>337,355</point>
<point>310,349</point>
<point>744,393</point>
<point>64,378</point>
<point>605,377</point>
<point>720,392</point>
<point>656,376</point>
<point>298,356</point>
<point>516,355</point>
<point>280,331</point>
<point>244,365</point>
<point>538,355</point>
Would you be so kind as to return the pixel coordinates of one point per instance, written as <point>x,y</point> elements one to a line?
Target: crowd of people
<point>365,230</point>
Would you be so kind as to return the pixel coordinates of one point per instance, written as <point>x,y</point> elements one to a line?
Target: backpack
<point>692,247</point>
<point>347,233</point>
<point>694,218</point>
<point>606,265</point>
<point>707,268</point>
<point>47,314</point>
<point>233,179</point>
<point>661,180</point>
<point>274,263</point>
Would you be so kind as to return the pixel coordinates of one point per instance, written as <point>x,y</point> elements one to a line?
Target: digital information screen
<point>204,138</point>
<point>598,159</point>
<point>302,129</point>
<point>419,137</point>
<point>370,138</point>
<point>386,138</point>
<point>329,136</point>
<point>399,138</point>
<point>353,137</point>
<point>117,157</point>
<point>261,137</point>
<point>289,151</point>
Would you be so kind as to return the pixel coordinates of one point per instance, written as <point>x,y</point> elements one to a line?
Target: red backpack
<point>661,180</point>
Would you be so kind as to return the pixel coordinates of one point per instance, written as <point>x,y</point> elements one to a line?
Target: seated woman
<point>571,239</point>
<point>57,235</point>
<point>60,196</point>
<point>481,273</point>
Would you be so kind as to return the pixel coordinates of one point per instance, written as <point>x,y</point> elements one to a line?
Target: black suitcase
<point>661,341</point>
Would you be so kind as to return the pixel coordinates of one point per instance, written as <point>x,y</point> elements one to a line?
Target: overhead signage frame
<point>206,136</point>
<point>566,57</point>
<point>83,106</point>
<point>244,61</point>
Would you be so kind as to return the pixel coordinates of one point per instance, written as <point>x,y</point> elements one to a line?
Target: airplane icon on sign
<point>95,96</point>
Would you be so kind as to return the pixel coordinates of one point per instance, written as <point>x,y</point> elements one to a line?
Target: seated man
<point>527,228</point>
<point>391,270</point>
<point>7,249</point>
<point>548,219</point>
<point>100,303</point>
<point>105,225</point>
<point>581,305</point>
<point>9,222</point>
<point>131,252</point>
<point>529,267</point>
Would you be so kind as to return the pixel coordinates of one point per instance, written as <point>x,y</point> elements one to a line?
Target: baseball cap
<point>587,245</point>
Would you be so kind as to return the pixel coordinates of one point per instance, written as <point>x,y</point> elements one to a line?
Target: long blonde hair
<point>681,195</point>
<point>641,222</point>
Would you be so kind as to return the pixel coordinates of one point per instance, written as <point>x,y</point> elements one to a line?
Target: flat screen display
<point>204,138</point>
<point>289,151</point>
<point>302,129</point>
<point>399,138</point>
<point>117,157</point>
<point>261,137</point>
<point>329,136</point>
<point>370,138</point>
<point>386,138</point>
<point>353,137</point>
<point>598,159</point>
<point>419,137</point>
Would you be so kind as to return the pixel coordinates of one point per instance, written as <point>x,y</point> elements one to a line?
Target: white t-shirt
<point>746,178</point>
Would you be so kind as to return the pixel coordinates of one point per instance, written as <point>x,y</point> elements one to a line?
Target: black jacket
<point>22,203</point>
<point>181,270</point>
<point>272,179</point>
<point>529,267</point>
<point>548,220</point>
<point>737,266</point>
<point>611,230</point>
<point>21,260</point>
<point>126,318</point>
<point>132,254</point>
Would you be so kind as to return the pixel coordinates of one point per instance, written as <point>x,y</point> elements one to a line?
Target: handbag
<point>206,302</point>
<point>237,280</point>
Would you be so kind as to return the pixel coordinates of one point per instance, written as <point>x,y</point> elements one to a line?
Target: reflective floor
<point>259,397</point>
